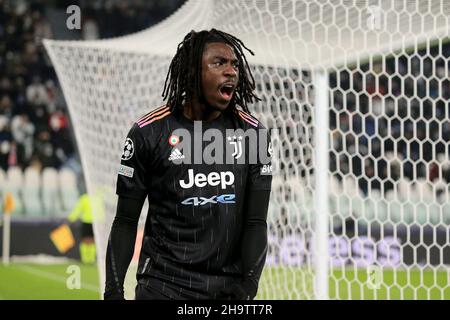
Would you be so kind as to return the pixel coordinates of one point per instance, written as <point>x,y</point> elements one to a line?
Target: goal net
<point>358,91</point>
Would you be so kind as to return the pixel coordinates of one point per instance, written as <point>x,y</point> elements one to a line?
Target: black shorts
<point>146,293</point>
<point>86,230</point>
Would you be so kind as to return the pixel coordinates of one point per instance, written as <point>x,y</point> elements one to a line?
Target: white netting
<point>388,92</point>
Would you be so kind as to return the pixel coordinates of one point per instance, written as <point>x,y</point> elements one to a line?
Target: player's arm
<point>132,191</point>
<point>121,245</point>
<point>254,241</point>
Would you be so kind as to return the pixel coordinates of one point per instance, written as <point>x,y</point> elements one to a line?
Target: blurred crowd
<point>389,120</point>
<point>112,18</point>
<point>34,122</point>
<point>33,118</point>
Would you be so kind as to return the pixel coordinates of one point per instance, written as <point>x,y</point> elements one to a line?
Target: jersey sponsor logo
<point>201,201</point>
<point>224,179</point>
<point>126,171</point>
<point>237,143</point>
<point>128,149</point>
<point>176,155</point>
<point>266,169</point>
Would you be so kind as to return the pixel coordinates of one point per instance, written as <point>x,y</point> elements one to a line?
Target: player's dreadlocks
<point>183,81</point>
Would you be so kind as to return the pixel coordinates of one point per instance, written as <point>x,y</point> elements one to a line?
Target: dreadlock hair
<point>183,81</point>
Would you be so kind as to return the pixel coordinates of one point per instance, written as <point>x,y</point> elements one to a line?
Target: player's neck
<point>200,112</point>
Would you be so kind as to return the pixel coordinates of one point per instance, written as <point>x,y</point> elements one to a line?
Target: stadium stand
<point>38,157</point>
<point>30,192</point>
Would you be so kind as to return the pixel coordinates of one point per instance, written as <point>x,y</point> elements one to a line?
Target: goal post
<point>358,91</point>
<point>321,105</point>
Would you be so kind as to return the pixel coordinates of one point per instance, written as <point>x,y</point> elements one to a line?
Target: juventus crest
<point>237,143</point>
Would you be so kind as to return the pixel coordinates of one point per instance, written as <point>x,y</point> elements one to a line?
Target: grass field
<point>351,284</point>
<point>48,282</point>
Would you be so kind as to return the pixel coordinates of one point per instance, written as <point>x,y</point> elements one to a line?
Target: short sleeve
<point>260,173</point>
<point>132,178</point>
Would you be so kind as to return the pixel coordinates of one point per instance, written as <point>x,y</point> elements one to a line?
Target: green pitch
<point>48,282</point>
<point>279,283</point>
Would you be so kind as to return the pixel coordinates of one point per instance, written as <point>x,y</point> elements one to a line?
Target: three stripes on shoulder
<point>164,111</point>
<point>154,115</point>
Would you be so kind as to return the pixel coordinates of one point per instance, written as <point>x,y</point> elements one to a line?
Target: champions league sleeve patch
<point>126,171</point>
<point>128,149</point>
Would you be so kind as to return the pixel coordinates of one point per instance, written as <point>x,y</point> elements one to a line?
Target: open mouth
<point>227,91</point>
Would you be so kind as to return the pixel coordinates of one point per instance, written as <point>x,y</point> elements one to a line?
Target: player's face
<point>220,74</point>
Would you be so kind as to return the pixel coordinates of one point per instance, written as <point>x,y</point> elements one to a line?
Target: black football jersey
<point>191,244</point>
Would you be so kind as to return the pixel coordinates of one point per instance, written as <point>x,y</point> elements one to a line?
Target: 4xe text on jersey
<point>200,201</point>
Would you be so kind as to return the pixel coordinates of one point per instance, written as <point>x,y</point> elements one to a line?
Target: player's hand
<point>113,296</point>
<point>238,291</point>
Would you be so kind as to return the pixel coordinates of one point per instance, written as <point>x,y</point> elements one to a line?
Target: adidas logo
<point>176,155</point>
